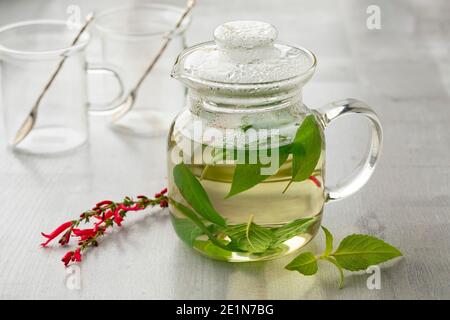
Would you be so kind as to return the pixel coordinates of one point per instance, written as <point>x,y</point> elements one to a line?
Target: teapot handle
<point>365,168</point>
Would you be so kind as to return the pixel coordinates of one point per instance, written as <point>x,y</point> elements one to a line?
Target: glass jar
<point>129,37</point>
<point>246,157</point>
<point>30,52</point>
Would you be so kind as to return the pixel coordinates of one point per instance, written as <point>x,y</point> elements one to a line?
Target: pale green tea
<point>264,221</point>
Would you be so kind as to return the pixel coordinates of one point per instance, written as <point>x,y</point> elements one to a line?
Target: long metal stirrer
<point>130,100</point>
<point>30,121</point>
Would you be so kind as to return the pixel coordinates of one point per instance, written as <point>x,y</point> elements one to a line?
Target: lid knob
<point>245,35</point>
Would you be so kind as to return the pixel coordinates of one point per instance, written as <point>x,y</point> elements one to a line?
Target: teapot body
<point>205,140</point>
<point>246,157</point>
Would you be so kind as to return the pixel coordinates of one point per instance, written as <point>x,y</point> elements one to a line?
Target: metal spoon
<point>129,101</point>
<point>30,121</point>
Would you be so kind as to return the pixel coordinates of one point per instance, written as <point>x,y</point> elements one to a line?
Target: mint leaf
<point>195,195</point>
<point>213,250</point>
<point>328,241</point>
<point>338,266</point>
<point>249,237</point>
<point>305,263</point>
<point>290,230</point>
<point>359,251</point>
<point>306,149</point>
<point>195,219</point>
<point>247,176</point>
<point>355,252</point>
<point>187,230</point>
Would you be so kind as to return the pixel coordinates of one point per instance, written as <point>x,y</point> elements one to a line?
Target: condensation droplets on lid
<point>245,52</point>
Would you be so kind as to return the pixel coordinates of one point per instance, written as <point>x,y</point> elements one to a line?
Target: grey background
<point>402,70</point>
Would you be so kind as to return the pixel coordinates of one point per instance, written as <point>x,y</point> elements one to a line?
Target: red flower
<point>161,193</point>
<point>77,255</point>
<point>316,181</point>
<point>108,214</point>
<point>103,203</point>
<point>136,207</point>
<point>118,220</point>
<point>67,258</point>
<point>56,233</point>
<point>84,238</point>
<point>84,233</point>
<point>96,226</point>
<point>163,204</point>
<point>117,217</point>
<point>102,219</point>
<point>72,256</point>
<point>65,238</point>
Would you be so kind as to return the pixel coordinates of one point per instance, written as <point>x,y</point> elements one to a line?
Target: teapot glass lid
<point>245,53</point>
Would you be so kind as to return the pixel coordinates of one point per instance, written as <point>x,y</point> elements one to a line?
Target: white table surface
<point>403,70</point>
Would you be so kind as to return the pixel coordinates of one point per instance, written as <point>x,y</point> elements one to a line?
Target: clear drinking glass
<point>30,52</point>
<point>130,38</point>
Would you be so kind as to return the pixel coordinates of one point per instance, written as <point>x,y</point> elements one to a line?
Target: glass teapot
<point>246,157</point>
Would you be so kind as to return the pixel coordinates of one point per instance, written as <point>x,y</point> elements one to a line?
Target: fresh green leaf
<point>249,237</point>
<point>247,176</point>
<point>187,230</point>
<point>192,216</point>
<point>338,266</point>
<point>195,195</point>
<point>195,219</point>
<point>358,252</point>
<point>290,230</point>
<point>305,263</point>
<point>306,149</point>
<point>212,250</point>
<point>328,241</point>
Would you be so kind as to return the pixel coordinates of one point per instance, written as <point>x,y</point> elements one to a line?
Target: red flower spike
<point>316,181</point>
<point>56,233</point>
<point>108,214</point>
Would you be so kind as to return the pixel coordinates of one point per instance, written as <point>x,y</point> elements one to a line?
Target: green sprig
<point>355,252</point>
